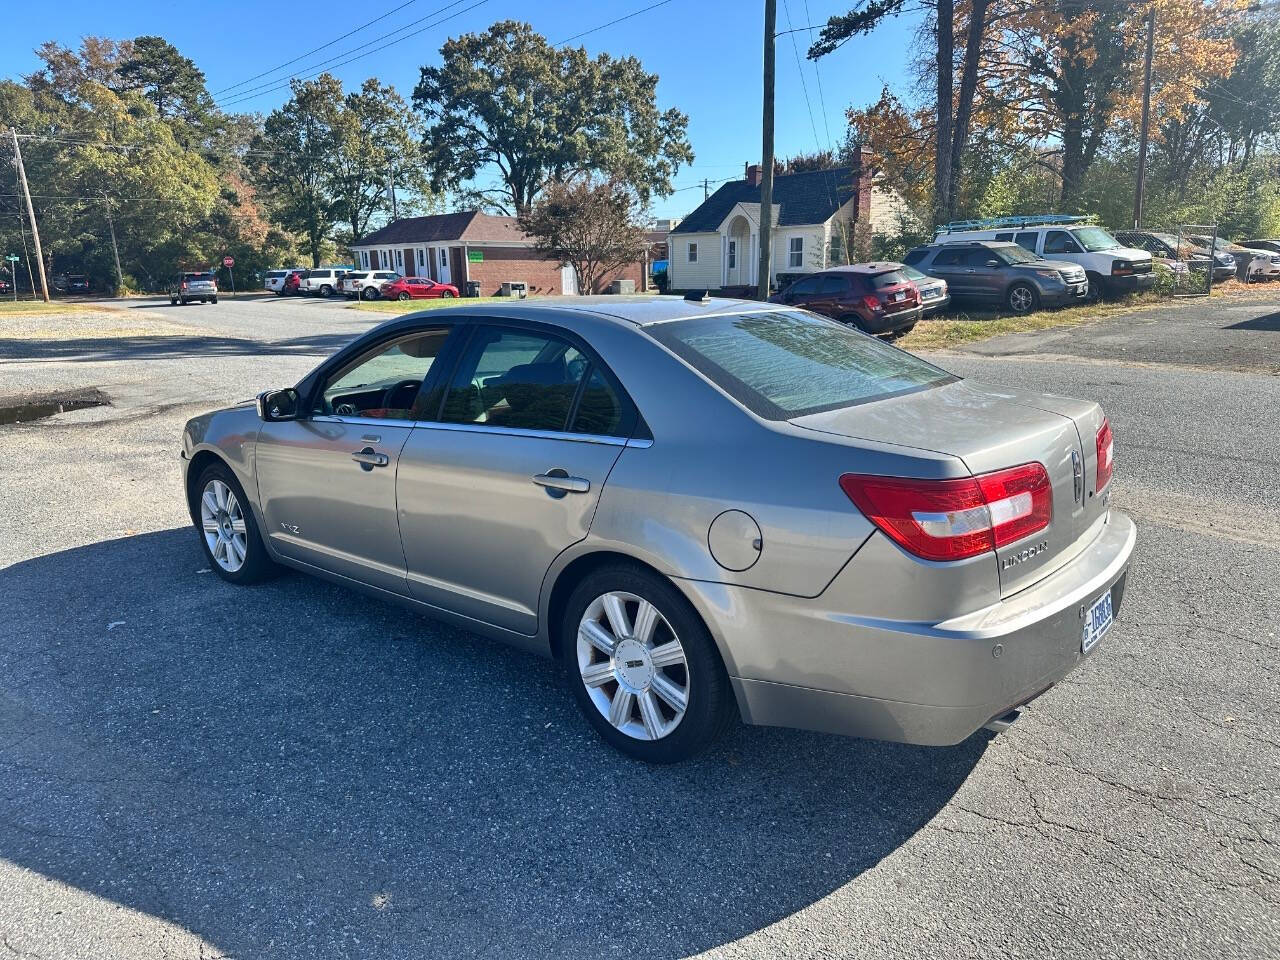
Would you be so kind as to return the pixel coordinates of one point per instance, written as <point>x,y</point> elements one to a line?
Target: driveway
<point>196,770</point>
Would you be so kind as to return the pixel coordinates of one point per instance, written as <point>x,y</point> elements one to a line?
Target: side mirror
<point>277,405</point>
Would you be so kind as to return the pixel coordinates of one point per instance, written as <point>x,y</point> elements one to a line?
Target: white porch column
<point>724,260</point>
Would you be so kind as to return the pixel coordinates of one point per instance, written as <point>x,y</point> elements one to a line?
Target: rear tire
<point>852,320</point>
<point>220,502</point>
<point>686,666</point>
<point>1021,298</point>
<point>368,293</point>
<point>326,291</point>
<point>213,299</point>
<point>173,301</point>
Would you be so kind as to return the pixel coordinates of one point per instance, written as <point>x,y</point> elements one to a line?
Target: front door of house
<point>453,265</point>
<point>373,259</point>
<point>410,263</point>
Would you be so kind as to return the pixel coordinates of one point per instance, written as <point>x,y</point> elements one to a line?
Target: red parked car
<point>874,297</point>
<point>417,288</point>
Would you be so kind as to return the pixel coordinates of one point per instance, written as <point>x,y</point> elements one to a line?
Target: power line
<point>804,86</point>
<point>634,13</point>
<point>381,43</point>
<point>97,199</point>
<point>108,144</point>
<point>817,75</point>
<point>322,46</point>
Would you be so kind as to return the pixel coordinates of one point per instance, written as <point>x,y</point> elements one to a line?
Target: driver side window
<point>1059,241</point>
<point>384,384</point>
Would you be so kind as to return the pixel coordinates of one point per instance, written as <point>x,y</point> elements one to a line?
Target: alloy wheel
<point>1021,299</point>
<point>222,520</point>
<point>633,666</point>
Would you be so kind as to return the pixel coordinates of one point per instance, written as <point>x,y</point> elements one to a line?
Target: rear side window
<point>832,283</point>
<point>785,364</point>
<point>275,274</point>
<point>914,257</point>
<point>948,258</point>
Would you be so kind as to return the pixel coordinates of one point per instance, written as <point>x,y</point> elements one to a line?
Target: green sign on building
<point>475,256</point>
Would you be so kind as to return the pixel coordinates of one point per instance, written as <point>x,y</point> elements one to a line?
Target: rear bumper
<point>924,683</point>
<point>891,322</point>
<point>930,307</point>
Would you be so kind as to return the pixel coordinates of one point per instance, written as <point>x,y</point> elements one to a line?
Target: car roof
<point>632,311</point>
<point>988,244</point>
<point>879,266</point>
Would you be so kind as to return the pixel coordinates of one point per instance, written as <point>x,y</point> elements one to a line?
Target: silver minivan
<point>193,285</point>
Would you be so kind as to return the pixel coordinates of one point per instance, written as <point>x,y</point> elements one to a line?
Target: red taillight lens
<point>184,284</point>
<point>955,519</point>
<point>871,301</point>
<point>1106,455</point>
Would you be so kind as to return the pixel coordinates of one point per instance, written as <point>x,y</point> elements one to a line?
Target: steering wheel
<point>390,396</point>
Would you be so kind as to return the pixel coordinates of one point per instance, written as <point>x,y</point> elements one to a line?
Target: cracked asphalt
<point>192,770</point>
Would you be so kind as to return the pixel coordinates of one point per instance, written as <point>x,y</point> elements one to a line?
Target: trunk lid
<point>990,428</point>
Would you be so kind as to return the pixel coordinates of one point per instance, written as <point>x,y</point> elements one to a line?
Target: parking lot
<point>294,770</point>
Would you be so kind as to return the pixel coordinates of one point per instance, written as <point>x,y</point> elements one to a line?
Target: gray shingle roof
<point>469,226</point>
<point>810,197</point>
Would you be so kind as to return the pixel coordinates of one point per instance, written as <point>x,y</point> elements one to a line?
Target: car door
<point>803,292</point>
<point>508,473</point>
<point>948,264</point>
<point>327,481</point>
<point>985,272</point>
<point>1060,245</point>
<point>832,297</point>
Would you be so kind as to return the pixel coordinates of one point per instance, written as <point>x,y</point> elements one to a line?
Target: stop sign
<point>228,261</point>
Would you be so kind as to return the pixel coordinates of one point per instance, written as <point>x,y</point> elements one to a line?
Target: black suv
<point>1002,273</point>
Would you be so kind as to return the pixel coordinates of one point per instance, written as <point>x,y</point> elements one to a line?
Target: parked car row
<point>356,284</point>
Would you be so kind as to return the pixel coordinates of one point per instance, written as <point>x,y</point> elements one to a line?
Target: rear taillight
<point>1106,455</point>
<point>872,302</point>
<point>955,519</point>
<point>184,284</point>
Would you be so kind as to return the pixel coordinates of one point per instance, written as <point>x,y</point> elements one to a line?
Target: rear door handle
<point>560,481</point>
<point>368,458</point>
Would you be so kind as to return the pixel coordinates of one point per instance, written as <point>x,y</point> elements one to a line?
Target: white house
<point>814,215</point>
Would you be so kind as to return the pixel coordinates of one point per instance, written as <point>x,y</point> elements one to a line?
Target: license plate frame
<point>1098,620</point>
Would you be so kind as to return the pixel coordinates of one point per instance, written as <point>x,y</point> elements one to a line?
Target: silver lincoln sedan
<point>703,508</point>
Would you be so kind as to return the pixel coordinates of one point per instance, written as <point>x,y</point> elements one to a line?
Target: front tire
<point>213,299</point>
<point>643,667</point>
<point>1022,298</point>
<point>326,291</point>
<point>447,295</point>
<point>228,532</point>
<point>403,295</point>
<point>1095,288</point>
<point>368,293</point>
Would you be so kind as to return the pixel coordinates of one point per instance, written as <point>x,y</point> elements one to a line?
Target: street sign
<point>228,261</point>
<point>12,258</point>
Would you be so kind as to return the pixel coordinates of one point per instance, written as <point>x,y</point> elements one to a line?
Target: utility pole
<point>706,188</point>
<point>766,160</point>
<point>31,212</point>
<point>115,251</point>
<point>1146,117</point>
<point>391,187</point>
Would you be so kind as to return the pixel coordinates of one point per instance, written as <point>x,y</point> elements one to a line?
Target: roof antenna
<point>698,296</point>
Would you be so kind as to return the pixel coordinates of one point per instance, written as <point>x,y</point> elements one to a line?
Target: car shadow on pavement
<point>1269,321</point>
<point>98,349</point>
<point>296,770</point>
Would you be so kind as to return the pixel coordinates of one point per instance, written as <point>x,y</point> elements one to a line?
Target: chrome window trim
<point>484,428</point>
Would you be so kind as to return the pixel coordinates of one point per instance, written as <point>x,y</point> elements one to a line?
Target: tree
<point>540,114</point>
<point>950,132</point>
<point>294,160</point>
<point>804,162</point>
<point>377,140</point>
<point>594,226</point>
<point>169,80</point>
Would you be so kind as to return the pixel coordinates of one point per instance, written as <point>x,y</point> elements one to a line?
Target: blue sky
<point>706,53</point>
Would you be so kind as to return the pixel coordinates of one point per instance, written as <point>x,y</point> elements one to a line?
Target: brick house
<point>818,218</point>
<point>473,246</point>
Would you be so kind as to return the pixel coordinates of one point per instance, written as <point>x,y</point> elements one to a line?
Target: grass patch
<point>413,306</point>
<point>21,308</point>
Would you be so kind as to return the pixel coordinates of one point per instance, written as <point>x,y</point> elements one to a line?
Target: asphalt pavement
<point>191,769</point>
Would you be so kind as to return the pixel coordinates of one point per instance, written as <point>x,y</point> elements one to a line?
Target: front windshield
<point>1014,254</point>
<point>1094,239</point>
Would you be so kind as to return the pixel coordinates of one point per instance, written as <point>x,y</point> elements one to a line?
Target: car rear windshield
<point>890,278</point>
<point>783,364</point>
<point>198,276</point>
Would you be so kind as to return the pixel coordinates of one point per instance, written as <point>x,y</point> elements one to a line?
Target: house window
<point>733,254</point>
<point>795,256</point>
<point>693,253</point>
<point>364,259</point>
<point>399,258</point>
<point>422,258</point>
<point>444,257</point>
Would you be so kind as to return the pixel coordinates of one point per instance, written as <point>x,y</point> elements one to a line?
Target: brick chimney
<point>753,174</point>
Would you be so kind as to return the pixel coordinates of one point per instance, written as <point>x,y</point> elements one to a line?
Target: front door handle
<point>558,482</point>
<point>368,458</point>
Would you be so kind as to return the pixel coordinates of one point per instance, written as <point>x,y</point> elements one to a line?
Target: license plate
<point>1097,621</point>
<point>897,296</point>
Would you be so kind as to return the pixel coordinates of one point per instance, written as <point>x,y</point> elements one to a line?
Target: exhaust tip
<point>1003,722</point>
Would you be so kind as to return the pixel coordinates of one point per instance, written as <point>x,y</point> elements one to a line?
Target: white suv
<point>322,281</point>
<point>366,284</point>
<point>1112,268</point>
<point>275,278</point>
